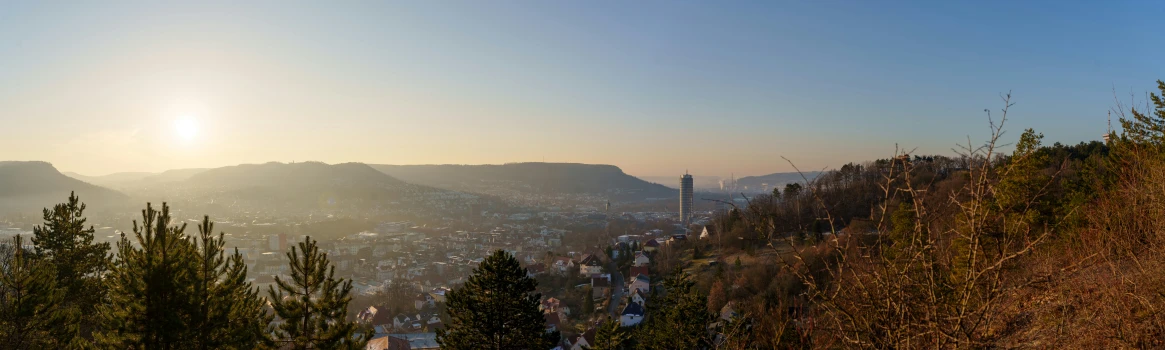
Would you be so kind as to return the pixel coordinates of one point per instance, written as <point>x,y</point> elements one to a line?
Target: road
<point>617,287</point>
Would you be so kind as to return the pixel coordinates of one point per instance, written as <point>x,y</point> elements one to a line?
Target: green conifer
<point>496,309</point>
<point>611,336</point>
<point>313,305</point>
<point>151,292</point>
<point>678,319</point>
<point>30,317</point>
<point>65,242</point>
<point>230,313</point>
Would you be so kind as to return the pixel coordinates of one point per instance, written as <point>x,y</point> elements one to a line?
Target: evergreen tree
<point>151,284</point>
<point>29,298</point>
<point>792,190</point>
<point>230,313</point>
<point>611,336</point>
<point>1147,127</point>
<point>1020,193</point>
<point>496,309</point>
<point>65,242</point>
<point>314,303</point>
<point>588,301</point>
<point>677,320</point>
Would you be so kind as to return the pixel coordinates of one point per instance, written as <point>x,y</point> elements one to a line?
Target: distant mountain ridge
<point>35,184</point>
<point>754,183</point>
<point>538,178</point>
<point>700,182</point>
<point>132,179</point>
<point>111,179</point>
<point>276,174</point>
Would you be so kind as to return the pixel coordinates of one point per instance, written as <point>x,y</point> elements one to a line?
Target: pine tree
<point>611,336</point>
<point>1020,193</point>
<point>678,319</point>
<point>151,287</point>
<point>65,242</point>
<point>314,304</point>
<point>230,313</point>
<point>1147,127</point>
<point>496,309</point>
<point>29,298</point>
<point>588,301</point>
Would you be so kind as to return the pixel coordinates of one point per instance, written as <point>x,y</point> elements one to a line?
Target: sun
<point>186,127</point>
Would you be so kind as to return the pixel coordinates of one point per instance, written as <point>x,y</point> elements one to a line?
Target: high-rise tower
<point>686,189</point>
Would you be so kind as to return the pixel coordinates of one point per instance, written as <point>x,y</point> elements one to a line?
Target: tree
<point>588,301</point>
<point>171,291</point>
<point>496,309</point>
<point>792,190</point>
<point>29,314</point>
<point>313,304</point>
<point>150,287</point>
<point>678,319</point>
<point>717,297</point>
<point>1147,128</point>
<point>65,242</point>
<point>1022,184</point>
<point>396,297</point>
<point>610,336</point>
<point>230,313</point>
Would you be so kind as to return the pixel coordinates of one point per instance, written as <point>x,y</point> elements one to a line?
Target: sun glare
<point>186,127</point>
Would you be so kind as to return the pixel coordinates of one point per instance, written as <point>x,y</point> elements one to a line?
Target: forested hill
<point>775,180</point>
<point>294,174</point>
<point>137,179</point>
<point>539,178</point>
<point>111,180</point>
<point>293,185</point>
<point>36,184</point>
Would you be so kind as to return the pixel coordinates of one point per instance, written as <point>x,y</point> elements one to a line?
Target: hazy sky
<point>655,87</point>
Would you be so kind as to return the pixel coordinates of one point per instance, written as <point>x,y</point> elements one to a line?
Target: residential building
<point>632,315</point>
<point>590,265</point>
<point>585,340</point>
<point>638,297</point>
<point>640,259</point>
<point>641,283</point>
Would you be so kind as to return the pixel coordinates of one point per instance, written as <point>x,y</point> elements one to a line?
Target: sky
<point>654,87</point>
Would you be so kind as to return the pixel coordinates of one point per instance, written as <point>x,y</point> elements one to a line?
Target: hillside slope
<point>535,178</point>
<point>313,185</point>
<point>775,180</point>
<point>33,185</point>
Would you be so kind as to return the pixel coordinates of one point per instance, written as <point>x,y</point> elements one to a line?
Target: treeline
<point>165,288</point>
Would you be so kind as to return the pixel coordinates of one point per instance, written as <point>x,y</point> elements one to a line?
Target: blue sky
<point>655,87</point>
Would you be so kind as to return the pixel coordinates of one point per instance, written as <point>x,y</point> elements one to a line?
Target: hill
<point>173,175</point>
<point>700,182</point>
<point>33,185</point>
<point>137,179</point>
<point>111,180</point>
<point>755,183</point>
<point>312,186</point>
<point>294,174</point>
<point>533,178</point>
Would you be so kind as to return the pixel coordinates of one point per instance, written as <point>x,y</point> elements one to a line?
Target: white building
<point>632,315</point>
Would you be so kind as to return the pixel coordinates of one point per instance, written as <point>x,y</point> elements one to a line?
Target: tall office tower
<point>686,190</point>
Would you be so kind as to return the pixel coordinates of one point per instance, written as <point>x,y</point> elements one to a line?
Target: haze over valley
<point>641,175</point>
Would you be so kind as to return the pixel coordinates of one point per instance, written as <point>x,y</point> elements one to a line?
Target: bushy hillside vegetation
<point>983,249</point>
